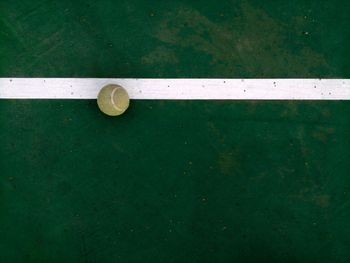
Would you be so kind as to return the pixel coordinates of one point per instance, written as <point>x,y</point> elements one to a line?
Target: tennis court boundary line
<point>178,89</point>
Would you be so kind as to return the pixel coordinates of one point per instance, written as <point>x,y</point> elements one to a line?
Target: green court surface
<point>175,181</point>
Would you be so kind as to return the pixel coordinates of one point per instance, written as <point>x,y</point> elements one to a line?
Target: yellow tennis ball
<point>113,100</point>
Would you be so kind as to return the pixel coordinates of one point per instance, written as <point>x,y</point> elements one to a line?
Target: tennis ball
<point>113,100</point>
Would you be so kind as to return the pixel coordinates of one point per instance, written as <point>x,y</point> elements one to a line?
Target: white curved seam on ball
<point>112,100</point>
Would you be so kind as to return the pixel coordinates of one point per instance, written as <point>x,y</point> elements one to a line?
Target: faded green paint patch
<point>323,134</point>
<point>322,200</point>
<point>228,163</point>
<point>251,42</point>
<point>160,56</point>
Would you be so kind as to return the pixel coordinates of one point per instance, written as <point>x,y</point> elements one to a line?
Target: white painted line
<point>178,89</point>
